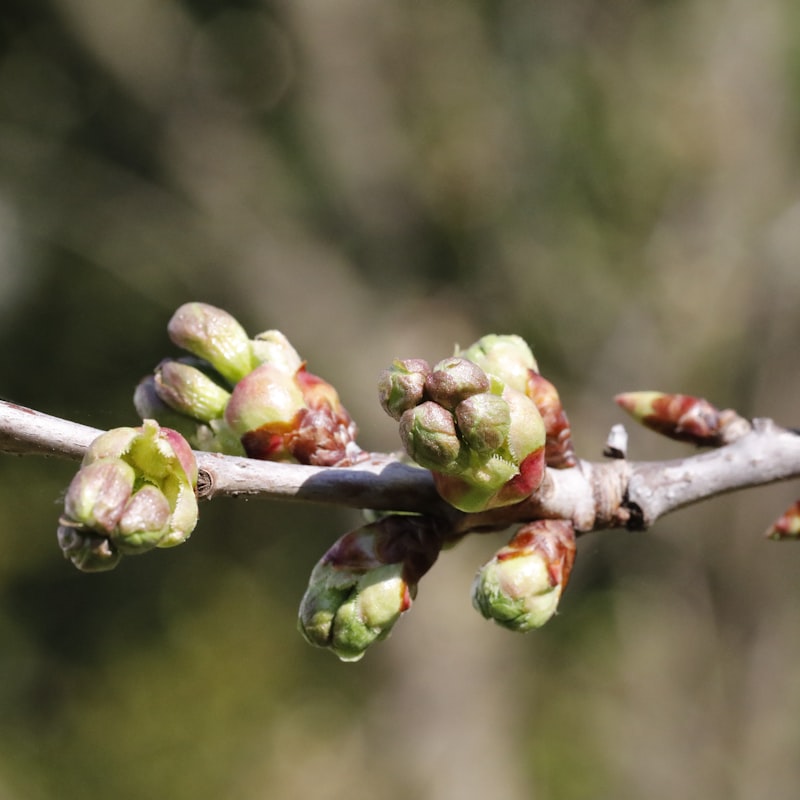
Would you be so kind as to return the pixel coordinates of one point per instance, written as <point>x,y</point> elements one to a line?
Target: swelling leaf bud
<point>365,582</point>
<point>214,335</point>
<point>507,357</point>
<point>521,586</point>
<point>401,386</point>
<point>189,391</point>
<point>678,416</point>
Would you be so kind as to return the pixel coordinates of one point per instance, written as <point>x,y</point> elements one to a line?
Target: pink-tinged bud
<point>263,408</point>
<point>507,357</point>
<point>98,493</point>
<point>678,416</point>
<point>190,391</point>
<point>429,436</point>
<point>180,448</point>
<point>215,336</point>
<point>365,582</point>
<point>453,380</point>
<point>787,526</point>
<point>272,347</point>
<point>521,586</point>
<point>144,521</point>
<point>401,386</point>
<point>559,451</point>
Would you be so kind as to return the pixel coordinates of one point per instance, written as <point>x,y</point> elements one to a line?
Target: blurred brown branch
<point>618,493</point>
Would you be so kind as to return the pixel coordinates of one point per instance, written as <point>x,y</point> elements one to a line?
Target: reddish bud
<point>678,416</point>
<point>787,526</point>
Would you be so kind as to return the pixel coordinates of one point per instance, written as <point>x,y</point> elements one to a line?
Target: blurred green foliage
<point>615,181</point>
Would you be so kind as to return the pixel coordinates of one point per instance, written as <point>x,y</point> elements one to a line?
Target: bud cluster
<point>135,490</point>
<point>366,581</point>
<point>484,422</point>
<point>482,439</point>
<point>244,396</point>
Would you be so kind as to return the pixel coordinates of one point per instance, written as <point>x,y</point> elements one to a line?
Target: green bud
<point>88,551</point>
<point>516,593</point>
<point>370,612</point>
<point>366,581</point>
<point>97,495</point>
<point>347,610</point>
<point>189,391</point>
<point>508,357</point>
<point>401,386</point>
<point>454,380</point>
<point>521,586</point>
<point>214,335</point>
<point>429,436</point>
<point>272,347</point>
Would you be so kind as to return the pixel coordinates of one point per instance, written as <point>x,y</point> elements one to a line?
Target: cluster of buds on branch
<point>135,491</point>
<point>244,396</point>
<point>483,422</point>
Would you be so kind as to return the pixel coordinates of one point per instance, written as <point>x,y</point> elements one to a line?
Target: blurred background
<point>618,181</point>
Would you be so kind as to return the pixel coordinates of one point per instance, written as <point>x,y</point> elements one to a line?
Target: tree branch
<point>617,493</point>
